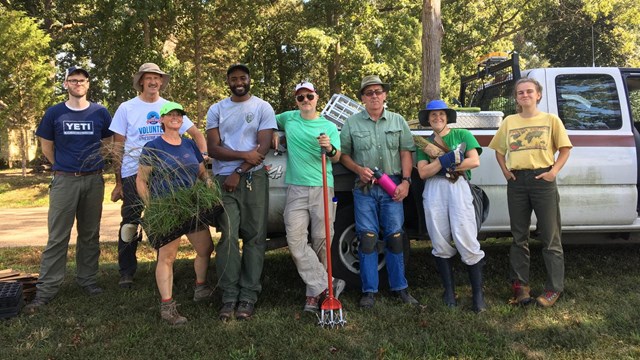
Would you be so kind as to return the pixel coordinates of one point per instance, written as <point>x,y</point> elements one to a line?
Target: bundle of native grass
<point>164,214</point>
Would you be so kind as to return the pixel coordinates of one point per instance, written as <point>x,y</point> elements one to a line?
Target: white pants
<point>450,215</point>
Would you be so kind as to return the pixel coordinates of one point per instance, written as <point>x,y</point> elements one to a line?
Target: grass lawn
<point>33,190</point>
<point>597,316</point>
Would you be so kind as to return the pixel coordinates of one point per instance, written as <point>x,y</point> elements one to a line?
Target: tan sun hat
<point>372,80</point>
<point>150,68</point>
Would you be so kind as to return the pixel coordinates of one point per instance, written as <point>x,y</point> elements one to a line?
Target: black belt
<point>530,170</point>
<point>77,173</point>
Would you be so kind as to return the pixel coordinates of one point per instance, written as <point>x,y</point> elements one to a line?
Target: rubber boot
<point>446,274</point>
<point>475,277</point>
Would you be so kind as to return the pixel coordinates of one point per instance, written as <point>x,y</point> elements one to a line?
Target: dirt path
<point>28,226</point>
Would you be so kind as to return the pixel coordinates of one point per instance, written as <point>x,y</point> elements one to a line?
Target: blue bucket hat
<point>423,115</point>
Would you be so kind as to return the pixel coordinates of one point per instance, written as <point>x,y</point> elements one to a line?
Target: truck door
<point>601,175</point>
<point>632,82</point>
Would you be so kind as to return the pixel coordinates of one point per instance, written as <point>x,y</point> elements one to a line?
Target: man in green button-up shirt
<point>378,138</point>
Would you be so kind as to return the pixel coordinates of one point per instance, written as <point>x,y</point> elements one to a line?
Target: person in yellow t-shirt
<point>525,146</point>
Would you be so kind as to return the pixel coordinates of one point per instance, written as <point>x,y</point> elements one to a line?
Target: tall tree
<point>432,33</point>
<point>25,70</point>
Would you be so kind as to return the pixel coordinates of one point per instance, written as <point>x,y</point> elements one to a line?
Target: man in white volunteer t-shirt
<point>136,122</point>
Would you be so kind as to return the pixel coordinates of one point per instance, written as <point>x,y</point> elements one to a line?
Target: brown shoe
<point>202,292</point>
<point>548,298</point>
<point>521,294</point>
<point>226,311</point>
<point>245,310</point>
<point>169,313</point>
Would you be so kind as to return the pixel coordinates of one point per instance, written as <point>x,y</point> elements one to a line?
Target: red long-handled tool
<point>331,314</point>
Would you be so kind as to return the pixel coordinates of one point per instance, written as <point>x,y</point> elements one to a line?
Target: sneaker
<point>35,304</point>
<point>226,311</point>
<point>312,304</point>
<point>126,281</point>
<point>202,292</point>
<point>92,290</point>
<point>367,300</point>
<point>548,298</point>
<point>338,287</point>
<point>245,310</point>
<point>169,313</point>
<point>521,294</point>
<point>406,297</point>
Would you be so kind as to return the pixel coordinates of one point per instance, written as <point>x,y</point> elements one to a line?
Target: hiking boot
<point>338,287</point>
<point>126,281</point>
<point>35,305</point>
<point>521,294</point>
<point>245,310</point>
<point>226,311</point>
<point>406,297</point>
<point>169,313</point>
<point>367,300</point>
<point>202,292</point>
<point>312,304</point>
<point>548,298</point>
<point>92,290</point>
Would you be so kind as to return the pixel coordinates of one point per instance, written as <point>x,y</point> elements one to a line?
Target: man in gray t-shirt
<point>239,130</point>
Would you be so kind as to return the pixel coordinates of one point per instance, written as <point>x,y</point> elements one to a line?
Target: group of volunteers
<point>152,157</point>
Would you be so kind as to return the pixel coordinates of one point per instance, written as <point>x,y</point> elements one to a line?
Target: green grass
<point>33,190</point>
<point>597,316</point>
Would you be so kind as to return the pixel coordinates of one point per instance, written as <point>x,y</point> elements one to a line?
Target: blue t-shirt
<point>76,135</point>
<point>173,166</point>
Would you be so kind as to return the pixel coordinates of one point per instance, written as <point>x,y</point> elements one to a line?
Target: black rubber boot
<point>446,274</point>
<point>475,277</point>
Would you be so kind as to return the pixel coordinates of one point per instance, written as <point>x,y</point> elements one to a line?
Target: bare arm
<point>364,173</point>
<point>197,136</point>
<point>48,149</point>
<point>142,182</point>
<point>428,169</point>
<point>502,161</point>
<point>471,161</point>
<point>253,157</point>
<point>563,156</point>
<point>402,190</point>
<point>325,142</point>
<point>118,151</point>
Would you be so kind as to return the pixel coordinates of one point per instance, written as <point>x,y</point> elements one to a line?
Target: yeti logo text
<point>249,117</point>
<point>77,127</point>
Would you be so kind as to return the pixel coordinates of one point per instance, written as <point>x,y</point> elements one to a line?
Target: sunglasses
<point>370,93</point>
<point>310,96</point>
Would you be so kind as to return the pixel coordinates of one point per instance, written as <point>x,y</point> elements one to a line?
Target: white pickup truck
<point>598,185</point>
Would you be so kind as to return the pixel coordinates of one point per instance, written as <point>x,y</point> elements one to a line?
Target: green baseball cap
<point>170,106</point>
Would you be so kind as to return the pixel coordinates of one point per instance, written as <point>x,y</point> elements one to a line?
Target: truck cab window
<point>588,102</point>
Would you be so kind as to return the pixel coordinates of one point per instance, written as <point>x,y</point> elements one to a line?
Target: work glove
<point>453,158</point>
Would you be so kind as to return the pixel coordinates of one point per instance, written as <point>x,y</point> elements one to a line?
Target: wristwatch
<point>407,179</point>
<point>239,171</point>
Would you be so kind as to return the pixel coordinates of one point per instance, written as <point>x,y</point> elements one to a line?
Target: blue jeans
<point>375,211</point>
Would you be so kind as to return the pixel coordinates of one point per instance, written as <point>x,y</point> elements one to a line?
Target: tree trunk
<point>432,33</point>
<point>24,150</point>
<point>333,67</point>
<point>197,60</point>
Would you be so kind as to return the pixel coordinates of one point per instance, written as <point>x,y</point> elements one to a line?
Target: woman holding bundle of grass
<point>176,204</point>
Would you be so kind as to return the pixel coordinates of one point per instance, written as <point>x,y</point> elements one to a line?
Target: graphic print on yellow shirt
<point>529,138</point>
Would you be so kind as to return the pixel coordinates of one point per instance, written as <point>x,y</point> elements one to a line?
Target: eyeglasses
<point>77,81</point>
<point>310,96</point>
<point>370,93</point>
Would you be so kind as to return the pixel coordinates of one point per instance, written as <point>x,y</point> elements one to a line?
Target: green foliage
<point>165,214</point>
<point>24,70</point>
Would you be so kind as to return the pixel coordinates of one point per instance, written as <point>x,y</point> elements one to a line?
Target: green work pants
<point>524,195</point>
<point>245,216</point>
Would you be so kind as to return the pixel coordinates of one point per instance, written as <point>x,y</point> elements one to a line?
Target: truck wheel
<point>344,251</point>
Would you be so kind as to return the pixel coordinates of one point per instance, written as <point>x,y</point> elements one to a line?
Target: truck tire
<point>344,251</point>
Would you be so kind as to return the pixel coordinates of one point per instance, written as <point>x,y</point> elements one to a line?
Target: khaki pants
<point>71,198</point>
<point>305,206</point>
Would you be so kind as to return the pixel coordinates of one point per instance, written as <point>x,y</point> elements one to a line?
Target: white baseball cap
<point>305,85</point>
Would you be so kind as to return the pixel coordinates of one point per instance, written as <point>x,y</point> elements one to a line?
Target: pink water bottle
<point>385,181</point>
